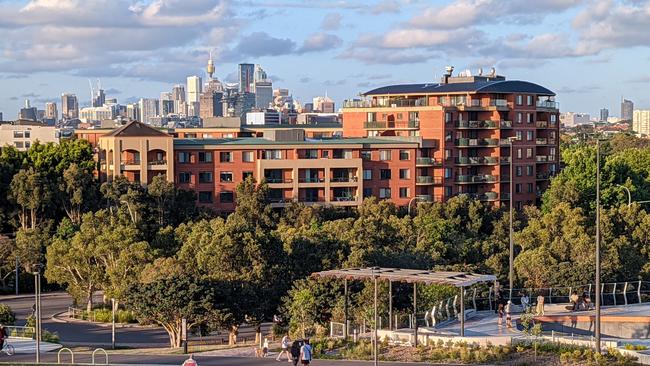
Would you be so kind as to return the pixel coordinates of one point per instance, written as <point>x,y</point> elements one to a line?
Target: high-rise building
<point>641,122</point>
<point>50,111</point>
<point>97,114</point>
<point>246,77</point>
<point>28,112</point>
<point>99,98</point>
<point>604,114</point>
<point>1,117</point>
<point>148,109</point>
<point>571,119</point>
<point>627,110</point>
<point>132,111</point>
<point>260,74</point>
<point>193,95</point>
<point>323,105</point>
<point>166,104</point>
<point>69,106</point>
<point>263,90</point>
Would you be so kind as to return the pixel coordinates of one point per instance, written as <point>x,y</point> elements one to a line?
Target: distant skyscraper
<point>148,109</point>
<point>210,67</point>
<point>1,117</point>
<point>260,74</point>
<point>50,111</point>
<point>194,84</point>
<point>99,99</point>
<point>69,106</point>
<point>28,112</point>
<point>166,104</point>
<point>323,104</point>
<point>132,111</point>
<point>263,93</point>
<point>246,77</point>
<point>604,114</point>
<point>627,110</point>
<point>641,122</point>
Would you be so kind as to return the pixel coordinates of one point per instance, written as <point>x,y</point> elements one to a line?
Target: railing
<point>20,331</point>
<point>476,124</point>
<point>498,103</point>
<point>343,179</point>
<point>272,180</point>
<point>541,141</point>
<point>424,197</point>
<point>425,161</point>
<point>311,180</point>
<point>487,196</point>
<point>465,142</point>
<point>546,175</point>
<point>131,162</point>
<point>390,103</point>
<point>476,160</point>
<point>476,179</point>
<point>548,104</point>
<point>280,199</point>
<point>345,198</point>
<point>391,124</point>
<point>541,124</point>
<point>157,162</point>
<point>541,158</point>
<point>312,199</point>
<point>505,124</point>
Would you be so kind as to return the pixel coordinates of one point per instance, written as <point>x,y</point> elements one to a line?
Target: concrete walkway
<point>27,345</point>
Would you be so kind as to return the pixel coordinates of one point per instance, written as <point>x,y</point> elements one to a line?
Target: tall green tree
<point>78,190</point>
<point>32,191</point>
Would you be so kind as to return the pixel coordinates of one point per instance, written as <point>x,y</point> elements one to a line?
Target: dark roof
<point>496,86</point>
<point>136,129</point>
<point>457,279</point>
<point>265,142</point>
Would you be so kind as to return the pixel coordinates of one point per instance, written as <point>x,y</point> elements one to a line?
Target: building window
<point>404,155</point>
<point>342,154</point>
<point>311,154</point>
<point>225,157</point>
<point>205,157</point>
<point>520,99</point>
<point>247,156</point>
<point>448,173</point>
<point>529,170</point>
<point>28,144</point>
<point>414,116</point>
<point>225,177</point>
<point>384,192</point>
<point>553,118</point>
<point>384,155</point>
<point>518,135</point>
<point>448,191</point>
<point>18,134</point>
<point>529,135</point>
<point>448,117</point>
<point>529,187</point>
<point>183,157</point>
<point>205,177</point>
<point>384,174</point>
<point>447,153</point>
<point>518,171</point>
<point>529,118</point>
<point>367,174</point>
<point>404,174</point>
<point>372,117</point>
<point>325,154</point>
<point>366,155</point>
<point>518,188</point>
<point>273,154</point>
<point>529,99</point>
<point>520,117</point>
<point>226,197</point>
<point>367,192</point>
<point>205,197</point>
<point>184,177</point>
<point>18,144</point>
<point>519,154</point>
<point>404,192</point>
<point>245,175</point>
<point>529,153</point>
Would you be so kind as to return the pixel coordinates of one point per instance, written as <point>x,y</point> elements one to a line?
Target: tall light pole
<point>597,325</point>
<point>37,293</point>
<point>113,323</point>
<point>375,347</point>
<point>511,259</point>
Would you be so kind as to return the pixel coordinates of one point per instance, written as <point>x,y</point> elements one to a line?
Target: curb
<point>29,296</point>
<point>59,319</point>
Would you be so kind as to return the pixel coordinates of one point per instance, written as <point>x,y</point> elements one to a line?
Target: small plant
<point>7,316</point>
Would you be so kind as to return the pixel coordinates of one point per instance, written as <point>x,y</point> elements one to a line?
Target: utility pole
<point>597,325</point>
<point>113,323</point>
<point>511,258</point>
<point>17,275</point>
<point>37,290</point>
<point>375,346</point>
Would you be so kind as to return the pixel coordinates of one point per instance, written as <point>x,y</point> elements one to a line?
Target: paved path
<point>28,346</point>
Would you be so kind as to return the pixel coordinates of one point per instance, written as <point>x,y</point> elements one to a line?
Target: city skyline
<point>343,47</point>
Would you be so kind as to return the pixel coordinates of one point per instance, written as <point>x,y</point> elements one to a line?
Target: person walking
<point>540,305</point>
<point>295,351</point>
<point>508,310</point>
<point>265,348</point>
<point>305,353</point>
<point>525,302</point>
<point>285,348</point>
<point>500,315</point>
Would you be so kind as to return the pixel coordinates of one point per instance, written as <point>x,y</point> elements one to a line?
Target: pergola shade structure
<point>457,279</point>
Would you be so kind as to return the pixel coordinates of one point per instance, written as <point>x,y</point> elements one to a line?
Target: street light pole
<point>375,348</point>
<point>37,290</point>
<point>629,194</point>
<point>113,323</point>
<point>511,258</point>
<point>597,325</point>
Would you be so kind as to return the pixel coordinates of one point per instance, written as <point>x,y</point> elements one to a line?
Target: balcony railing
<point>272,180</point>
<point>541,141</point>
<point>311,180</point>
<point>424,198</point>
<point>487,196</point>
<point>476,179</point>
<point>498,103</point>
<point>157,162</point>
<point>343,179</point>
<point>541,158</point>
<point>505,124</point>
<point>547,104</point>
<point>465,142</point>
<point>476,160</point>
<point>425,161</point>
<point>476,103</point>
<point>344,198</point>
<point>383,103</point>
<point>542,124</point>
<point>131,162</point>
<point>477,124</point>
<point>391,124</point>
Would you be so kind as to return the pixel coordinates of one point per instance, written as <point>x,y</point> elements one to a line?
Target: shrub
<point>7,317</point>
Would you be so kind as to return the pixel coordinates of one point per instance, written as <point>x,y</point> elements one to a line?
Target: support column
<point>415,309</point>
<point>462,311</point>
<point>345,309</point>
<point>390,305</point>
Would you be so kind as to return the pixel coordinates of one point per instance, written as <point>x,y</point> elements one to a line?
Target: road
<point>178,360</point>
<point>76,334</point>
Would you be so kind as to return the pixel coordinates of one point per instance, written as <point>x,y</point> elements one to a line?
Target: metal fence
<point>20,332</point>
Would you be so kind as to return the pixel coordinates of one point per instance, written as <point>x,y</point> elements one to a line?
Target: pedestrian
<point>285,348</point>
<point>525,302</point>
<point>508,310</point>
<point>574,301</point>
<point>295,351</point>
<point>540,305</point>
<point>265,348</point>
<point>305,353</point>
<point>3,335</point>
<point>500,315</point>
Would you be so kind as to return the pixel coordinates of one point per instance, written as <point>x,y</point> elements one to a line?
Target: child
<point>265,348</point>
<point>508,316</point>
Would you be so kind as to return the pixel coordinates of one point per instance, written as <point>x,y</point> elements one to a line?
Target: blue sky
<point>590,52</point>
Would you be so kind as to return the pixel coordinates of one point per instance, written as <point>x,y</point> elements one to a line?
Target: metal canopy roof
<point>457,279</point>
<point>496,86</point>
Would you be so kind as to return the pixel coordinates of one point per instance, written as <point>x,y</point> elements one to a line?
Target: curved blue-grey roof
<point>496,86</point>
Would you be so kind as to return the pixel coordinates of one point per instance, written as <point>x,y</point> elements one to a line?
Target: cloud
<point>320,42</point>
<point>112,91</point>
<point>305,80</point>
<point>30,95</point>
<point>332,21</point>
<point>383,56</point>
<point>258,44</point>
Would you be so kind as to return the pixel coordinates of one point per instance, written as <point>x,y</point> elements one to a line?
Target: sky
<point>590,52</point>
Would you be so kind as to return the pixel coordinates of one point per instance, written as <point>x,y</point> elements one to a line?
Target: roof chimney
<point>448,71</point>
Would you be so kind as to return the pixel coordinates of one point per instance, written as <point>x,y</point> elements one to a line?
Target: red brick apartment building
<point>406,143</point>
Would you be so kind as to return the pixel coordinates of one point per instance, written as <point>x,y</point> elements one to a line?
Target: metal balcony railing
<point>541,124</point>
<point>476,179</point>
<point>311,180</point>
<point>547,104</point>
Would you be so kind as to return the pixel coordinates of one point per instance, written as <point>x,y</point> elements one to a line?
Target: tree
<point>7,260</point>
<point>31,190</point>
<point>163,192</point>
<point>170,300</point>
<point>78,190</point>
<point>30,245</point>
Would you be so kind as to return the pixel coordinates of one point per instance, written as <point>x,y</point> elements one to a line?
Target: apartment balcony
<point>547,105</point>
<point>465,142</point>
<point>424,161</point>
<point>389,103</point>
<point>272,180</point>
<point>479,104</point>
<point>541,158</point>
<point>424,198</point>
<point>505,124</point>
<point>541,124</point>
<point>476,160</point>
<point>343,179</point>
<point>157,165</point>
<point>130,165</point>
<point>504,160</point>
<point>468,125</point>
<point>487,196</point>
<point>311,180</point>
<point>426,180</point>
<point>541,141</point>
<point>278,202</point>
<point>544,176</point>
<point>476,179</point>
<point>392,125</point>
